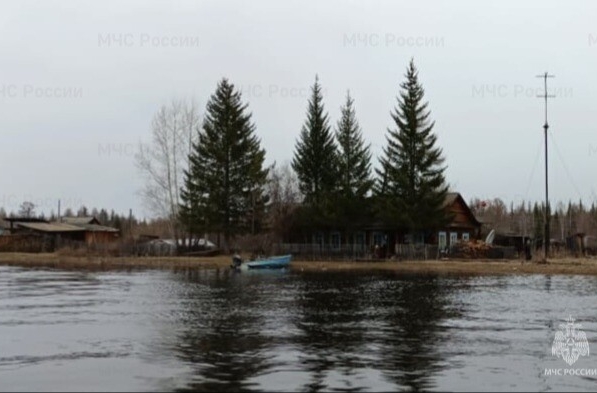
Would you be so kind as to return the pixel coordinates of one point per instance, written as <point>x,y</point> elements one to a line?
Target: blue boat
<point>277,262</point>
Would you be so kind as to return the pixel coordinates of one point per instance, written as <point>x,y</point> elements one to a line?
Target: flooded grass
<point>567,266</point>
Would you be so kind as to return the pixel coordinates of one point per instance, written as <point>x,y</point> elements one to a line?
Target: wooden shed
<point>78,229</point>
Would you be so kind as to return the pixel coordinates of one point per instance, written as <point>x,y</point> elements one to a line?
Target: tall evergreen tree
<point>315,155</point>
<point>412,187</point>
<point>194,194</point>
<point>224,185</point>
<point>354,157</point>
<point>354,168</point>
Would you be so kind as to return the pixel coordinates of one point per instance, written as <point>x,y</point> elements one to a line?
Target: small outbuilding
<point>77,229</point>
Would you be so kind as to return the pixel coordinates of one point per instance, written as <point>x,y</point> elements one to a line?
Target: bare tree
<point>83,212</point>
<point>26,209</point>
<point>284,196</point>
<point>493,213</point>
<point>163,161</point>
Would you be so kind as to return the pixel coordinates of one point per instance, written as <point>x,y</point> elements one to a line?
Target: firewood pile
<point>471,249</point>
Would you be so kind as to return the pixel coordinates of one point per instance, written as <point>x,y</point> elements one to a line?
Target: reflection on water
<point>217,330</point>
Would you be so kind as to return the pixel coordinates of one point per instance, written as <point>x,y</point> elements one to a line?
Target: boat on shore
<point>275,262</point>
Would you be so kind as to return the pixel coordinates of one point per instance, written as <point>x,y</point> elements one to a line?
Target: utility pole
<point>546,235</point>
<point>131,223</point>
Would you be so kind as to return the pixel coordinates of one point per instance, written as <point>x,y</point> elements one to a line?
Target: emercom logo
<point>570,342</point>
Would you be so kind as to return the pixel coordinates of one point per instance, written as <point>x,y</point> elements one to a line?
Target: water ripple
<point>218,330</point>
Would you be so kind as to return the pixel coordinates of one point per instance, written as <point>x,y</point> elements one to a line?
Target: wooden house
<point>463,226</point>
<point>378,238</point>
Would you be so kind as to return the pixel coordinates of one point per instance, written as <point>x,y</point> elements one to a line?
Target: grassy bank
<point>491,267</point>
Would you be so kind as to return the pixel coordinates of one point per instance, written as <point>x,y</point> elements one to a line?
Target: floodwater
<point>284,331</point>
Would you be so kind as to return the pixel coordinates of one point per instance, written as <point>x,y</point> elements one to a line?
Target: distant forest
<point>527,218</point>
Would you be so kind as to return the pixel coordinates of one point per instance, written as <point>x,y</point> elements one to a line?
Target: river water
<point>285,331</point>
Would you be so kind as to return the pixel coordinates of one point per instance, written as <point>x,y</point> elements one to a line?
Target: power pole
<point>131,223</point>
<point>546,235</point>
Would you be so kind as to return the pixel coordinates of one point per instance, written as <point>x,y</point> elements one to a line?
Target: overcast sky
<point>80,82</point>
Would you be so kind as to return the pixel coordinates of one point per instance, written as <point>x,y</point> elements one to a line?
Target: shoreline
<point>563,266</point>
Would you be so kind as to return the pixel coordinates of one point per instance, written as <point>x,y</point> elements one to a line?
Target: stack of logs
<point>471,249</point>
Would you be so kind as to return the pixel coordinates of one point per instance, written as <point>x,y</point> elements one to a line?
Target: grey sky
<point>80,82</point>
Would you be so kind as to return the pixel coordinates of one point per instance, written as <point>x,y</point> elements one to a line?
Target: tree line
<point>527,218</point>
<point>210,177</point>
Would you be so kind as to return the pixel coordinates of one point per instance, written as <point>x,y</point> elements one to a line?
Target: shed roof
<point>50,227</point>
<point>24,219</point>
<point>80,220</point>
<point>55,227</point>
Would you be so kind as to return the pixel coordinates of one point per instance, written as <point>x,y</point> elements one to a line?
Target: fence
<point>33,243</point>
<point>416,251</point>
<point>26,243</point>
<point>410,252</point>
<point>314,251</point>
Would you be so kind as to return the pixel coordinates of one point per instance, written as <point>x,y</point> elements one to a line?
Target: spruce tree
<point>412,189</point>
<point>315,156</point>
<point>194,196</point>
<point>224,185</point>
<point>354,157</point>
<point>354,168</point>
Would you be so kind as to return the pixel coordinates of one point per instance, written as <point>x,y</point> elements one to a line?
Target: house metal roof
<point>50,227</point>
<point>55,227</point>
<point>80,220</point>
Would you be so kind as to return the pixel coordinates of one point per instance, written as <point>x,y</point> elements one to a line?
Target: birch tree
<point>162,161</point>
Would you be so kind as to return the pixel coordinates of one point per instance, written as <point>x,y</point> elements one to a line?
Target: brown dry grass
<point>584,266</point>
<point>89,262</point>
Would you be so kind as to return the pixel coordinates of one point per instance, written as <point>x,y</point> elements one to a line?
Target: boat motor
<point>236,261</point>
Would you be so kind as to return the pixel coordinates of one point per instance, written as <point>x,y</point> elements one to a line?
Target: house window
<point>465,236</point>
<point>419,238</point>
<point>442,240</point>
<point>318,238</point>
<point>335,240</point>
<point>378,238</point>
<point>453,238</point>
<point>360,240</point>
